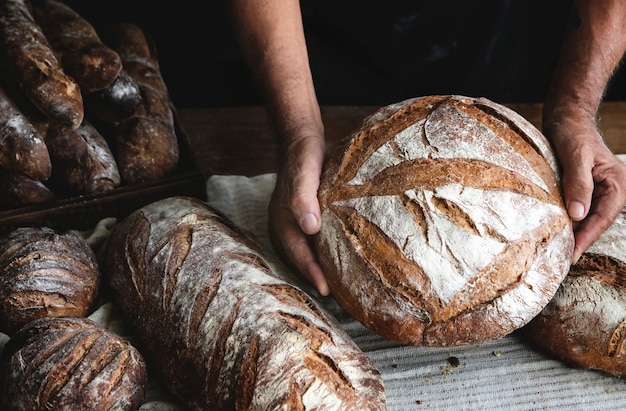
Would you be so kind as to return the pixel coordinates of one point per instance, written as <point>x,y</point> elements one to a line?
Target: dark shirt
<point>377,51</point>
<point>362,52</point>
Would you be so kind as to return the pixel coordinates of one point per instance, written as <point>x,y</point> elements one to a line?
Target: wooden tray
<point>84,212</point>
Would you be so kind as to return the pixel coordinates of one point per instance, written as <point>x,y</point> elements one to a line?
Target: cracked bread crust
<point>443,222</point>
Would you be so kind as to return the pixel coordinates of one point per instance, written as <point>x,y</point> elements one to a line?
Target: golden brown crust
<point>71,363</point>
<point>44,273</point>
<point>84,57</point>
<point>32,62</point>
<point>426,233</point>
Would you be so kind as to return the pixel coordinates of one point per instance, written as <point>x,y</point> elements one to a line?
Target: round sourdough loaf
<point>70,363</point>
<point>443,222</point>
<point>45,273</point>
<point>585,323</point>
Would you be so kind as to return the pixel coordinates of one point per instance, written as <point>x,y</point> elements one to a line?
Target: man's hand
<point>294,212</point>
<point>594,179</point>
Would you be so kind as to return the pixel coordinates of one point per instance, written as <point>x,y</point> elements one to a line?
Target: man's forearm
<point>272,38</point>
<point>592,51</point>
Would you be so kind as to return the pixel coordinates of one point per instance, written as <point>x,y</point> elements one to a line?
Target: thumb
<point>577,183</point>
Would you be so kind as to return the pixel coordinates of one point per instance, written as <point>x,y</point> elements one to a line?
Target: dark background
<point>363,52</point>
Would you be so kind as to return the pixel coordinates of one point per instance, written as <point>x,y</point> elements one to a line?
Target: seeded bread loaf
<point>70,364</point>
<point>443,222</point>
<point>220,324</point>
<point>45,273</point>
<point>585,323</point>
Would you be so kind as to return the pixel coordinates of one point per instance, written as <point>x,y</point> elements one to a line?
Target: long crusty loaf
<point>114,103</point>
<point>145,142</point>
<point>443,222</point>
<point>31,61</point>
<point>83,161</point>
<point>584,324</point>
<point>19,190</point>
<point>84,57</point>
<point>22,148</point>
<point>70,364</point>
<point>220,325</point>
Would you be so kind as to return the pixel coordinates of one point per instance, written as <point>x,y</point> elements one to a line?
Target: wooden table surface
<point>240,141</point>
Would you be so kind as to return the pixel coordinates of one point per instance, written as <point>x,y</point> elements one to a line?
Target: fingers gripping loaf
<point>70,364</point>
<point>146,145</point>
<point>585,323</point>
<point>84,57</point>
<point>443,222</point>
<point>32,62</point>
<point>237,334</point>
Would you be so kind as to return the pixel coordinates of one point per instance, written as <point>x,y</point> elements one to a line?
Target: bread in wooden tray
<point>585,323</point>
<point>70,363</point>
<point>221,325</point>
<point>144,142</point>
<point>443,222</point>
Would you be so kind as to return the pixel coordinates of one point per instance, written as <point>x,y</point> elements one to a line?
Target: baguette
<point>22,149</point>
<point>237,332</point>
<point>92,64</point>
<point>88,166</point>
<point>114,103</point>
<point>19,190</point>
<point>145,143</point>
<point>31,61</point>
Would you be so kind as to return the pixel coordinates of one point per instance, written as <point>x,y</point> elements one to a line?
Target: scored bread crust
<point>585,323</point>
<point>45,273</point>
<point>220,324</point>
<point>443,221</point>
<point>71,363</point>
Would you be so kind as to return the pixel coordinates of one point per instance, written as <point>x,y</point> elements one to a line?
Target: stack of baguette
<point>79,114</point>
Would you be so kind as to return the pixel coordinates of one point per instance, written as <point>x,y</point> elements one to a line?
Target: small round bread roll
<point>45,273</point>
<point>584,324</point>
<point>443,222</point>
<point>71,364</point>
